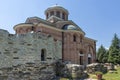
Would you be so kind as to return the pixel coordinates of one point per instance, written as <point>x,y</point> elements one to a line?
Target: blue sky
<point>100,19</point>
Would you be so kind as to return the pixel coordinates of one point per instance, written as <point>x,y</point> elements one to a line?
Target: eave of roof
<point>41,21</point>
<point>23,24</point>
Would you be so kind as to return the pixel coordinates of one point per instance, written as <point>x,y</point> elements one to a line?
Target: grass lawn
<point>64,79</point>
<point>115,75</point>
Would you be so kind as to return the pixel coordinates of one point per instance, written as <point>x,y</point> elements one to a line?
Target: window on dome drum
<point>43,55</point>
<point>51,13</point>
<point>58,14</point>
<point>74,38</point>
<point>47,15</point>
<point>65,27</point>
<point>63,15</point>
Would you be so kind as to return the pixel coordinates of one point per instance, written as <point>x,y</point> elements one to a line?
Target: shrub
<point>98,72</point>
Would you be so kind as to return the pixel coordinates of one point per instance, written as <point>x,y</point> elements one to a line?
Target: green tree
<point>114,50</point>
<point>105,57</point>
<point>102,54</point>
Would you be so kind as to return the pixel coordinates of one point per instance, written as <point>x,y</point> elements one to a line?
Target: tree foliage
<point>102,54</point>
<point>114,51</point>
<point>113,54</point>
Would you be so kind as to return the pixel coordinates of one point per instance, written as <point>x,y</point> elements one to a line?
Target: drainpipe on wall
<point>62,46</point>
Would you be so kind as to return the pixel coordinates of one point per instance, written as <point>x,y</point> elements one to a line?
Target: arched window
<point>63,16</point>
<point>74,38</point>
<point>81,57</point>
<point>81,52</point>
<point>51,13</point>
<point>65,27</point>
<point>43,55</point>
<point>58,14</point>
<point>81,39</point>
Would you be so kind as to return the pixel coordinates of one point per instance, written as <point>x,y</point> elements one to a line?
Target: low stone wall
<point>92,68</point>
<point>109,66</point>
<point>28,71</point>
<point>71,71</point>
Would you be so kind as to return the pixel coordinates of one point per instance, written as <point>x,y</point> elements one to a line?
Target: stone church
<point>39,40</point>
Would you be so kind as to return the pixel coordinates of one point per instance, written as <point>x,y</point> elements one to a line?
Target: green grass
<point>115,75</point>
<point>108,76</point>
<point>112,76</point>
<point>64,79</point>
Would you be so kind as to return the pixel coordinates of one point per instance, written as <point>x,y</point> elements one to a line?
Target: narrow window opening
<point>81,57</point>
<point>74,38</point>
<point>81,39</point>
<point>43,55</point>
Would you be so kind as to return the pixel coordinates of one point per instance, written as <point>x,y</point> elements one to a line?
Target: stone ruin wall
<point>26,48</point>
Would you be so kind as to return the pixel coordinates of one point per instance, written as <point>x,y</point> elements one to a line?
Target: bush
<point>98,72</point>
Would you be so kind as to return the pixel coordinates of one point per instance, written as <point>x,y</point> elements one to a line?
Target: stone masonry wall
<point>25,48</point>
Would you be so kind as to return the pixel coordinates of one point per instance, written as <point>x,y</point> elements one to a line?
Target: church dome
<point>70,27</point>
<point>56,7</point>
<point>57,11</point>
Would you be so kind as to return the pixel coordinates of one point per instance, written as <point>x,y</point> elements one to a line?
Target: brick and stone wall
<point>81,50</point>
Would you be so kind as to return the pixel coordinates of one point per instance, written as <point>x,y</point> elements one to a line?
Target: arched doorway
<point>89,58</point>
<point>81,57</point>
<point>90,54</point>
<point>43,55</point>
